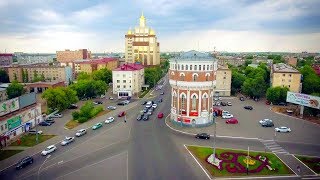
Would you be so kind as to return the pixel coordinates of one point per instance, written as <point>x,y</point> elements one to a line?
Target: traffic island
<point>233,163</point>
<point>312,162</point>
<point>74,123</point>
<point>29,140</point>
<point>4,154</point>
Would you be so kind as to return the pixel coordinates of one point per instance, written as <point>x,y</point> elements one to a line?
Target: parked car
<point>123,113</point>
<point>227,116</point>
<point>145,110</point>
<point>126,102</point>
<point>49,120</point>
<point>102,96</point>
<point>216,98</point>
<point>223,104</point>
<point>44,123</point>
<point>49,150</point>
<point>229,104</point>
<point>268,102</point>
<point>162,93</point>
<point>225,112</point>
<point>160,115</point>
<point>265,120</point>
<point>267,124</point>
<point>81,132</point>
<point>121,103</point>
<point>109,120</point>
<point>159,100</point>
<point>145,117</point>
<point>203,136</point>
<point>282,129</point>
<point>58,115</point>
<point>111,107</point>
<point>97,102</point>
<point>24,162</point>
<point>73,106</point>
<point>34,132</point>
<point>67,140</point>
<point>241,98</point>
<point>248,107</point>
<point>97,126</point>
<point>232,121</point>
<point>139,118</point>
<point>218,103</point>
<point>154,105</point>
<point>150,111</point>
<point>111,98</point>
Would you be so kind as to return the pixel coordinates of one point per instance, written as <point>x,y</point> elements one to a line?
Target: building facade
<point>3,94</point>
<point>192,77</point>
<point>97,64</point>
<point>141,45</point>
<point>68,56</point>
<point>6,59</point>
<point>284,75</point>
<point>223,81</point>
<point>48,72</point>
<point>128,80</point>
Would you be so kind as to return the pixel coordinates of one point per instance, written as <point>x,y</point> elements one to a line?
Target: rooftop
<point>194,56</point>
<point>98,61</point>
<point>129,67</point>
<point>5,54</point>
<point>281,67</point>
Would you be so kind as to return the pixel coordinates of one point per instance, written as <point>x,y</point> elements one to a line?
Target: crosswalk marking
<point>273,146</point>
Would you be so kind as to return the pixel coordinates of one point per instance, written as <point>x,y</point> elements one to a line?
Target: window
<point>190,67</point>
<point>118,81</point>
<point>175,66</point>
<point>186,67</point>
<point>118,86</point>
<point>124,86</point>
<point>124,81</point>
<point>207,67</point>
<point>204,67</point>
<point>183,101</point>
<point>182,77</point>
<point>204,103</point>
<point>289,80</point>
<point>210,67</point>
<point>195,67</point>
<point>290,75</point>
<point>199,67</point>
<point>195,77</point>
<point>289,86</point>
<point>178,66</point>
<point>225,72</point>
<point>174,101</point>
<point>6,126</point>
<point>224,77</point>
<point>283,74</point>
<point>283,80</point>
<point>194,102</point>
<point>182,67</point>
<point>207,77</point>
<point>130,86</point>
<point>124,75</point>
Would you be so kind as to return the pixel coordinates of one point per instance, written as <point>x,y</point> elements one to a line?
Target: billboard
<point>27,99</point>
<point>14,122</point>
<point>9,106</point>
<point>304,99</point>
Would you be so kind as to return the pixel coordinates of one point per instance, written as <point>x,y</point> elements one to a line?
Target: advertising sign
<point>9,106</point>
<point>193,114</point>
<point>14,122</point>
<point>304,99</point>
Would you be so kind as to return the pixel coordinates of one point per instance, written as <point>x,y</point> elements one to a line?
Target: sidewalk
<point>16,148</point>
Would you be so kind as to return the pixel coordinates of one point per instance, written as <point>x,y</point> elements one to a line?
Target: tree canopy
<point>15,89</point>
<point>60,97</point>
<point>152,75</point>
<point>89,88</point>
<point>4,78</point>
<point>310,80</point>
<point>277,94</point>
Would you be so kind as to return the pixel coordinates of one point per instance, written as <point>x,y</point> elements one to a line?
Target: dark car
<point>162,93</point>
<point>248,107</point>
<point>139,118</point>
<point>121,103</point>
<point>160,100</point>
<point>282,104</point>
<point>73,106</point>
<point>203,136</point>
<point>267,124</point>
<point>144,103</point>
<point>223,104</point>
<point>97,102</point>
<point>24,162</point>
<point>145,117</point>
<point>44,123</point>
<point>49,121</point>
<point>145,110</point>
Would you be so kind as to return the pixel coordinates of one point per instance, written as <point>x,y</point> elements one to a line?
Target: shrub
<point>82,119</point>
<point>75,115</point>
<point>96,110</point>
<point>86,109</point>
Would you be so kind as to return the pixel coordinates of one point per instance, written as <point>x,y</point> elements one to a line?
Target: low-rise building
<point>29,72</point>
<point>128,80</point>
<point>6,59</point>
<point>291,60</point>
<point>70,56</point>
<point>284,75</point>
<point>223,81</point>
<point>97,64</point>
<point>3,94</point>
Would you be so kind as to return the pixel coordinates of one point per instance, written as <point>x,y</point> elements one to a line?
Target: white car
<point>220,98</point>
<point>109,120</point>
<point>282,129</point>
<point>225,112</point>
<point>154,105</point>
<point>216,98</point>
<point>67,140</point>
<point>111,107</point>
<point>58,115</point>
<point>148,105</point>
<point>264,121</point>
<point>111,98</point>
<point>81,132</point>
<point>227,116</point>
<point>126,102</point>
<point>229,103</point>
<point>49,150</point>
<point>35,132</point>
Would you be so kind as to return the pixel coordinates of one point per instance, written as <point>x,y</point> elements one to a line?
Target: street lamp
<point>42,165</point>
<point>35,120</point>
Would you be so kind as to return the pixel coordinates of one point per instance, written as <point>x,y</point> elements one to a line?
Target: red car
<point>232,121</point>
<point>160,115</point>
<point>268,102</point>
<point>121,114</point>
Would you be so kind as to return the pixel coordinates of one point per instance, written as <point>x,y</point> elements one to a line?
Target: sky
<point>46,26</point>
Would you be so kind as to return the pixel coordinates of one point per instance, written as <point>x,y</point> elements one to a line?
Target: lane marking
<point>197,162</point>
<point>304,164</point>
<point>286,164</point>
<point>90,165</point>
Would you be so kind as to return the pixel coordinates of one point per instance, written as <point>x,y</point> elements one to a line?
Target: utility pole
<point>35,120</point>
<point>213,116</point>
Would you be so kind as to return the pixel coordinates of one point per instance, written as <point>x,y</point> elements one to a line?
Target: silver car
<point>282,129</point>
<point>67,140</point>
<point>81,132</point>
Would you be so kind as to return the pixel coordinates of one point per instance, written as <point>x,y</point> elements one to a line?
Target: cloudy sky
<point>229,25</point>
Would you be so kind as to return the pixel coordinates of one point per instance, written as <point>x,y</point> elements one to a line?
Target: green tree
<point>152,75</point>
<point>86,109</point>
<point>15,76</point>
<point>103,75</point>
<point>247,62</point>
<point>277,94</point>
<point>311,81</point>
<point>83,76</point>
<point>59,98</point>
<point>237,80</point>
<point>276,58</point>
<point>89,88</point>
<point>254,87</point>
<point>4,78</point>
<point>15,89</point>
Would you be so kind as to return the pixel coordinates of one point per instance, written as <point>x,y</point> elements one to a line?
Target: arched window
<point>204,102</point>
<point>178,66</point>
<point>204,67</point>
<point>190,67</point>
<point>175,66</point>
<point>186,67</point>
<point>195,77</point>
<point>174,100</point>
<point>182,67</point>
<point>183,102</point>
<point>194,102</point>
<point>195,67</point>
<point>182,77</point>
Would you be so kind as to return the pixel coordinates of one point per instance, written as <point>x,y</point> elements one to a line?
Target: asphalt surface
<point>137,150</point>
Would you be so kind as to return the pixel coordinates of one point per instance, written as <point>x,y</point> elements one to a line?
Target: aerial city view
<point>157,89</point>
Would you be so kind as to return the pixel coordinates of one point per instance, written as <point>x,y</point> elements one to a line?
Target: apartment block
<point>96,64</point>
<point>70,56</point>
<point>285,76</point>
<point>223,81</point>
<point>6,59</point>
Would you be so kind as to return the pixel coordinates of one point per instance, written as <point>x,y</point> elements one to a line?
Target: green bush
<point>86,109</point>
<point>82,119</point>
<point>75,115</point>
<point>96,110</point>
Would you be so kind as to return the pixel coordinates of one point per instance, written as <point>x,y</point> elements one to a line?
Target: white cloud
<point>91,13</point>
<point>46,15</point>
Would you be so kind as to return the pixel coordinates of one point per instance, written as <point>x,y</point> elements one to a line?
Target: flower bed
<point>229,162</point>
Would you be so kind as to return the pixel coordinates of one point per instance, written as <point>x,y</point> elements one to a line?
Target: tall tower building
<point>141,45</point>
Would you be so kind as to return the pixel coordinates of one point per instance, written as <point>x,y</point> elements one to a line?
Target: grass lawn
<point>257,169</point>
<point>73,123</point>
<point>29,140</point>
<point>144,93</point>
<point>312,162</point>
<point>4,154</point>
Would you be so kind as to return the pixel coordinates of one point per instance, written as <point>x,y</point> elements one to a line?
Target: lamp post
<point>38,174</point>
<point>35,120</point>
